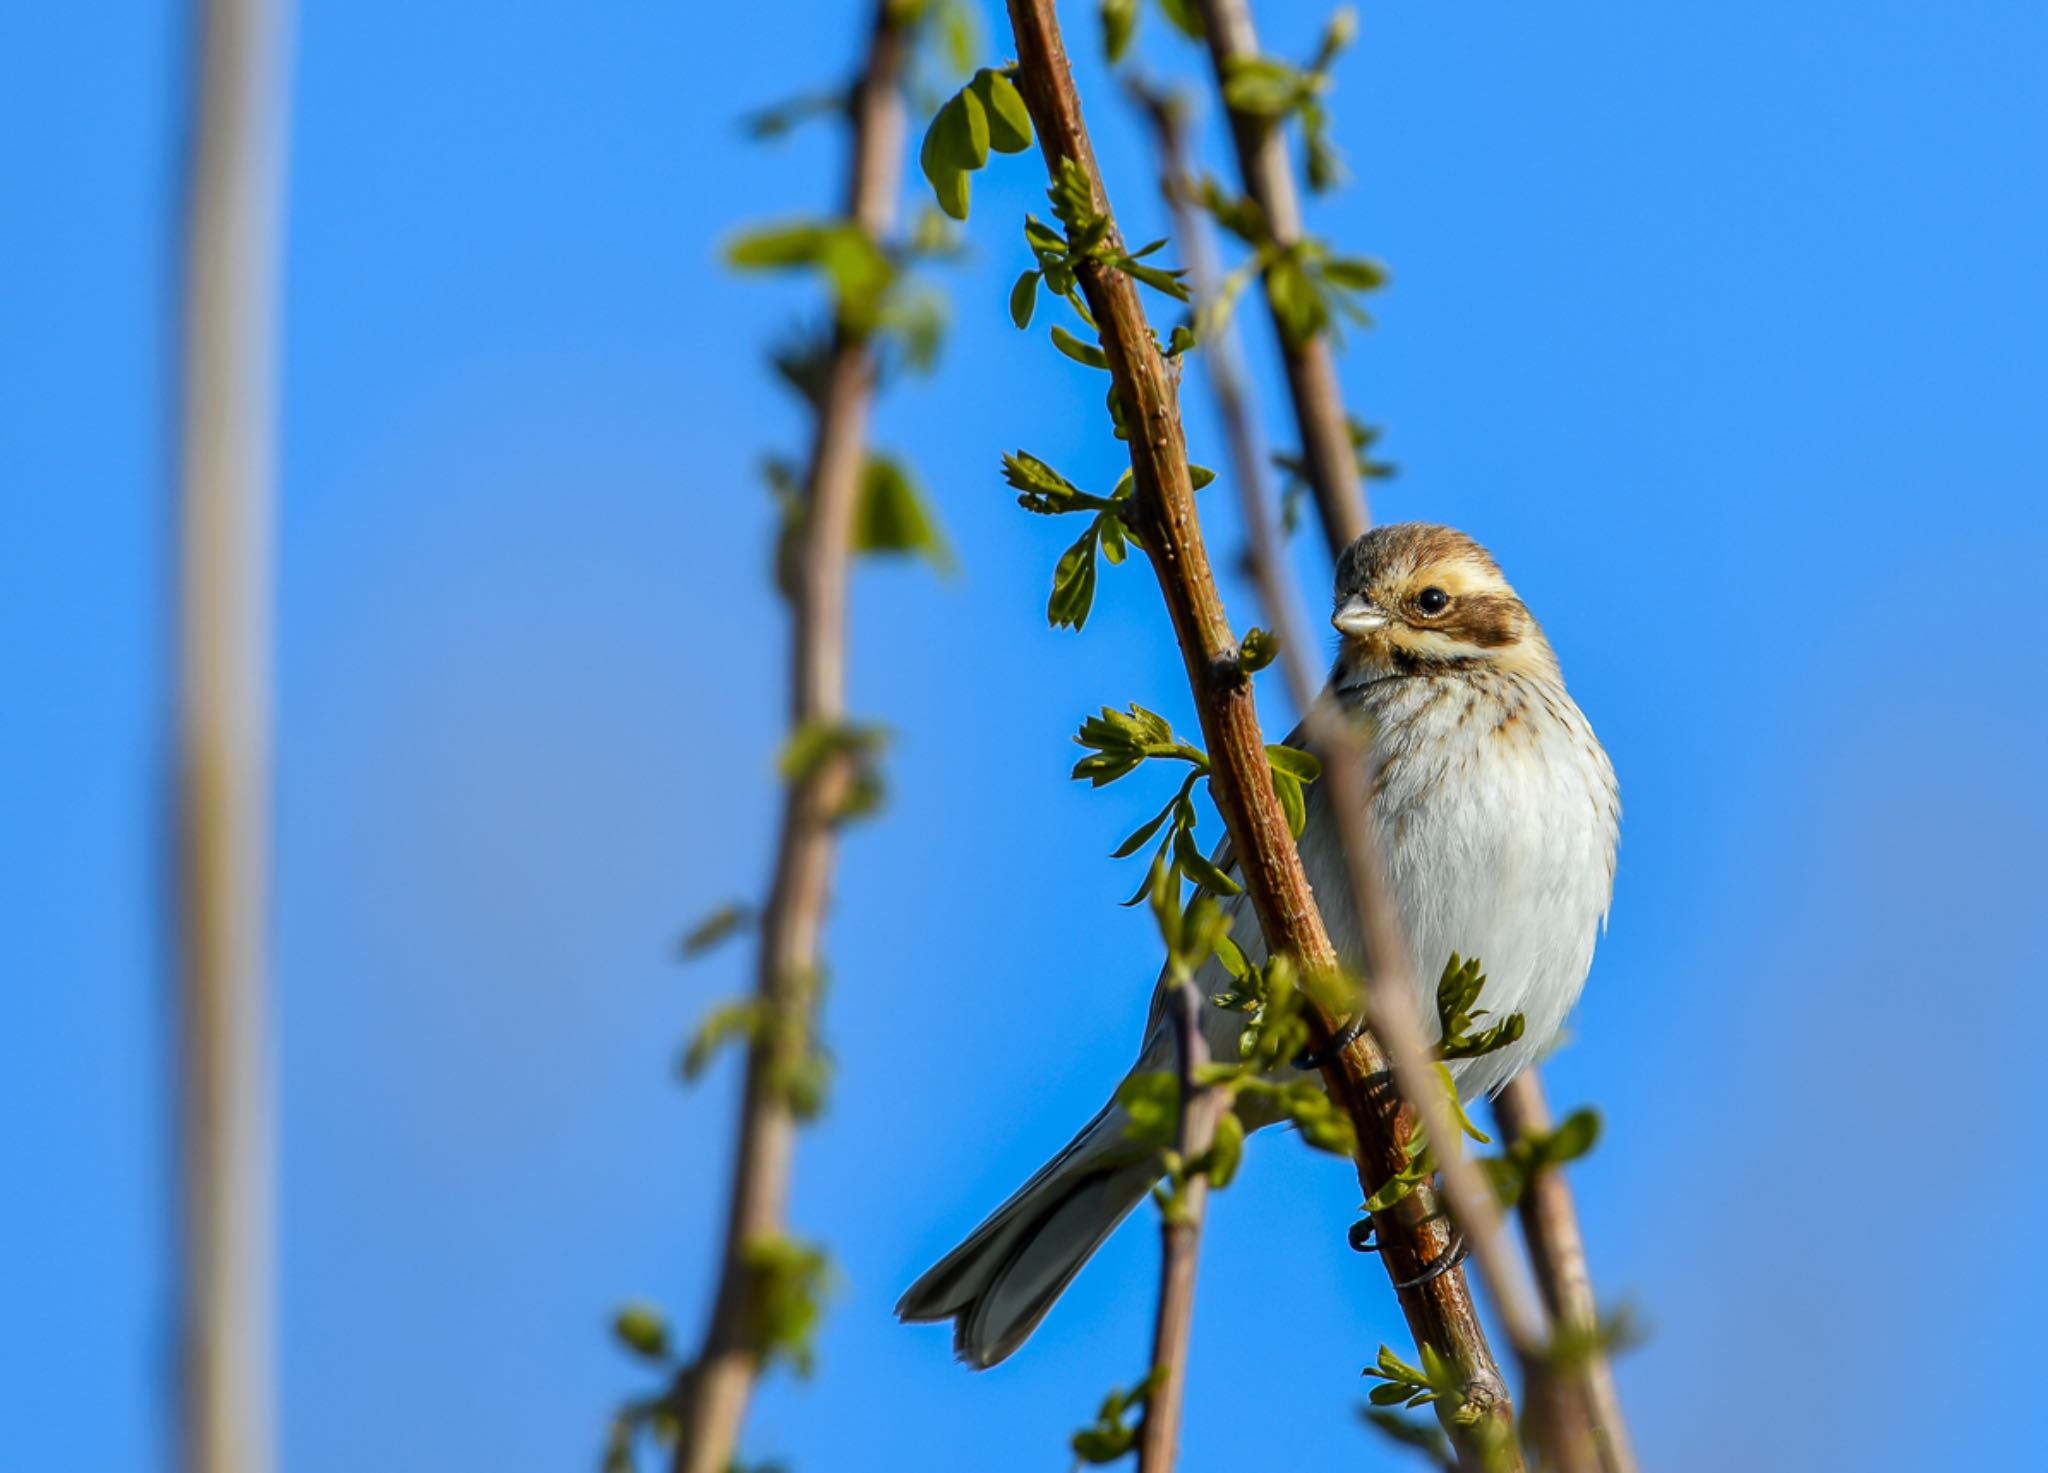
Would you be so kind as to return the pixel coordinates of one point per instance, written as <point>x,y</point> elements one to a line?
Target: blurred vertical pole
<point>233,194</point>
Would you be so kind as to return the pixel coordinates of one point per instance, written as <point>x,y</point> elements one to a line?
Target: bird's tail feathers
<point>998,1284</point>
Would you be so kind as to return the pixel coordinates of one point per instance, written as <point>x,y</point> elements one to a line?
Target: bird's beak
<point>1355,616</point>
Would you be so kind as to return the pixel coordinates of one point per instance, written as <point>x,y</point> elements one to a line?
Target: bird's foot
<point>1449,1259</point>
<point>1342,1039</point>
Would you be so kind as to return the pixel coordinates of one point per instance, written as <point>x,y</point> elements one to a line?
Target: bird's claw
<point>1342,1039</point>
<point>1449,1259</point>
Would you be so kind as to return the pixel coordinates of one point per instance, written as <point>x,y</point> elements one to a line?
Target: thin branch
<point>1550,1226</point>
<point>711,1396</point>
<point>1180,1234</point>
<point>233,213</point>
<point>1441,1312</point>
<point>1326,448</point>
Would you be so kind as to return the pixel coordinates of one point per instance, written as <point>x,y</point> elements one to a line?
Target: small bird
<point>1497,815</point>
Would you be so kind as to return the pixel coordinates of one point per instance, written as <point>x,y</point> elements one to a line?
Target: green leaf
<point>789,1280</point>
<point>1119,20</point>
<point>777,119</point>
<point>1573,1139</point>
<point>1200,868</point>
<point>1024,298</point>
<point>1152,1101</point>
<point>776,245</point>
<point>1294,761</point>
<point>1072,195</point>
<point>1043,239</point>
<point>954,145</point>
<point>1261,86</point>
<point>1077,350</point>
<point>1185,15</point>
<point>1073,585</point>
<point>965,134</point>
<point>1038,482</point>
<point>1233,958</point>
<point>726,1023</point>
<point>728,920</point>
<point>1288,790</point>
<point>1339,33</point>
<point>1141,834</point>
<point>857,268</point>
<point>1457,996</point>
<point>1114,535</point>
<point>952,190</point>
<point>1008,121</point>
<point>1103,768</point>
<point>1199,475</point>
<point>1227,1150</point>
<point>1296,304</point>
<point>788,493</point>
<point>1324,164</point>
<point>962,31</point>
<point>1158,279</point>
<point>641,1329</point>
<point>1257,650</point>
<point>1241,215</point>
<point>814,742</point>
<point>1355,273</point>
<point>890,516</point>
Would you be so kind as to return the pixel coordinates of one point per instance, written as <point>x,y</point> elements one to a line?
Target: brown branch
<point>1550,1226</point>
<point>1180,1235</point>
<point>711,1396</point>
<point>1440,1313</point>
<point>233,211</point>
<point>1326,448</point>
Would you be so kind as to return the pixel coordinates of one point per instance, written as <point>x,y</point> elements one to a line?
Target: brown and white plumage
<point>1497,816</point>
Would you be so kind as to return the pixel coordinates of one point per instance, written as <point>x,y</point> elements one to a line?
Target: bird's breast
<point>1497,817</point>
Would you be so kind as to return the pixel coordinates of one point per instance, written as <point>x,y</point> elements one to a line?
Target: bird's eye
<point>1432,601</point>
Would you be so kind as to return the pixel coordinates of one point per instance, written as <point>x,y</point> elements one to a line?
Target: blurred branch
<point>711,1395</point>
<point>1441,1311</point>
<point>1326,448</point>
<point>233,207</point>
<point>1180,1235</point>
<point>1550,1226</point>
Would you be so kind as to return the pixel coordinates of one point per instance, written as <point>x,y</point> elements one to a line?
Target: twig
<point>711,1396</point>
<point>233,211</point>
<point>1440,1312</point>
<point>1180,1235</point>
<point>1326,448</point>
<point>1550,1226</point>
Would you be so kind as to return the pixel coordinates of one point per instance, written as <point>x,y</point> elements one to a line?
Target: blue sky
<point>1722,324</point>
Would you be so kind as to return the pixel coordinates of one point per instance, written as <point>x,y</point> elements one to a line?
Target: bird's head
<point>1414,598</point>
